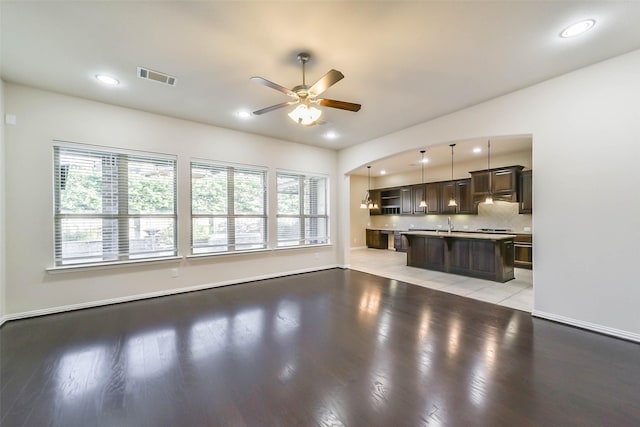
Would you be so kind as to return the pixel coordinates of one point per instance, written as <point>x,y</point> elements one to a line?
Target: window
<point>228,208</point>
<point>302,210</point>
<point>113,206</point>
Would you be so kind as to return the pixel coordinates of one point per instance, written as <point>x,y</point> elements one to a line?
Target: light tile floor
<point>517,293</point>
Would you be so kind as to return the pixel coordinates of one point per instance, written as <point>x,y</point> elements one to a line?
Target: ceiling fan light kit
<point>305,115</point>
<point>307,96</point>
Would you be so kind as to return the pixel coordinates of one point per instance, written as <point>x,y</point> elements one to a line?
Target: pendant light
<point>366,202</point>
<point>452,200</point>
<point>489,199</point>
<point>423,202</point>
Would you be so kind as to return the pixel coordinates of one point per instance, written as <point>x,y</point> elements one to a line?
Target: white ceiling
<point>405,62</point>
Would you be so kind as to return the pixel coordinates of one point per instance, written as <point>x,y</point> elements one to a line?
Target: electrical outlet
<point>174,272</point>
<point>528,229</point>
<point>466,227</point>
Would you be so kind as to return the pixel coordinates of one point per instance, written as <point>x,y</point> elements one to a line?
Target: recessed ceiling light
<point>108,80</point>
<point>383,172</point>
<point>477,150</point>
<point>331,135</point>
<point>578,28</point>
<point>243,114</point>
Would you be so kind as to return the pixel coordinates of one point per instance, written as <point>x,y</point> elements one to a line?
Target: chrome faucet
<point>449,224</point>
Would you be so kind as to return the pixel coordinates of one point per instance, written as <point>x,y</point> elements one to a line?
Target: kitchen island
<point>482,255</point>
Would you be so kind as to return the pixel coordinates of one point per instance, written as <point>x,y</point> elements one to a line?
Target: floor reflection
<point>81,371</point>
<point>151,353</point>
<point>453,341</point>
<point>370,302</point>
<point>247,327</point>
<point>208,336</point>
<point>287,318</point>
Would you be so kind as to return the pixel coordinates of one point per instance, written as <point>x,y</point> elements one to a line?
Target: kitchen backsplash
<point>498,215</point>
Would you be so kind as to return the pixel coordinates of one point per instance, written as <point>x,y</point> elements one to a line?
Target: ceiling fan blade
<point>332,77</point>
<point>273,85</point>
<point>350,106</point>
<point>274,107</point>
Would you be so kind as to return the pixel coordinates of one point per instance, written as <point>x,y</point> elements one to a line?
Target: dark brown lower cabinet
<point>399,242</point>
<point>377,240</point>
<point>485,258</point>
<point>429,253</point>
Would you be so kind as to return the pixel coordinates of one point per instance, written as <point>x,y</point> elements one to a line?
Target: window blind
<point>113,206</point>
<point>228,208</point>
<point>302,216</point>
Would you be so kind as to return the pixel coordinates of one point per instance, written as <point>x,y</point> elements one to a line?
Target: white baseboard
<point>91,304</point>
<point>618,333</point>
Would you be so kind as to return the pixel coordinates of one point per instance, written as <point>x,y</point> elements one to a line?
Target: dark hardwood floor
<point>329,348</point>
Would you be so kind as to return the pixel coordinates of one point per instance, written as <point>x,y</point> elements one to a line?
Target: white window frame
<point>232,245</point>
<point>304,240</point>
<point>121,255</point>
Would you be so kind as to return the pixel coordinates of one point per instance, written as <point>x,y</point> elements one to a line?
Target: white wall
<point>3,225</point>
<point>43,116</point>
<point>586,147</point>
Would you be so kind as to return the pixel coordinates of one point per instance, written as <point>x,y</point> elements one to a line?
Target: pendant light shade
<point>367,203</point>
<point>423,202</point>
<point>489,199</point>
<point>452,200</point>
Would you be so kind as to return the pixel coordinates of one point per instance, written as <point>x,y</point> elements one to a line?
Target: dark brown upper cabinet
<point>406,202</point>
<point>433,190</point>
<point>504,183</point>
<point>509,184</point>
<point>417,195</point>
<point>464,198</point>
<point>447,192</point>
<point>526,192</point>
<point>460,190</point>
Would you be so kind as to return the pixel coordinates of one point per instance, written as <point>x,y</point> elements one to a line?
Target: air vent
<point>156,76</point>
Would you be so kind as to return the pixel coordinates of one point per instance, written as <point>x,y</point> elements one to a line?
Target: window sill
<point>286,248</point>
<point>236,253</point>
<point>223,254</point>
<point>106,265</point>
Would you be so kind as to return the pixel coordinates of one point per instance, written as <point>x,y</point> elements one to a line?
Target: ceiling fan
<point>307,96</point>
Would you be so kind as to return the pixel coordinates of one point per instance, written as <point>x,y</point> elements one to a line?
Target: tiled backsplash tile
<point>498,215</point>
